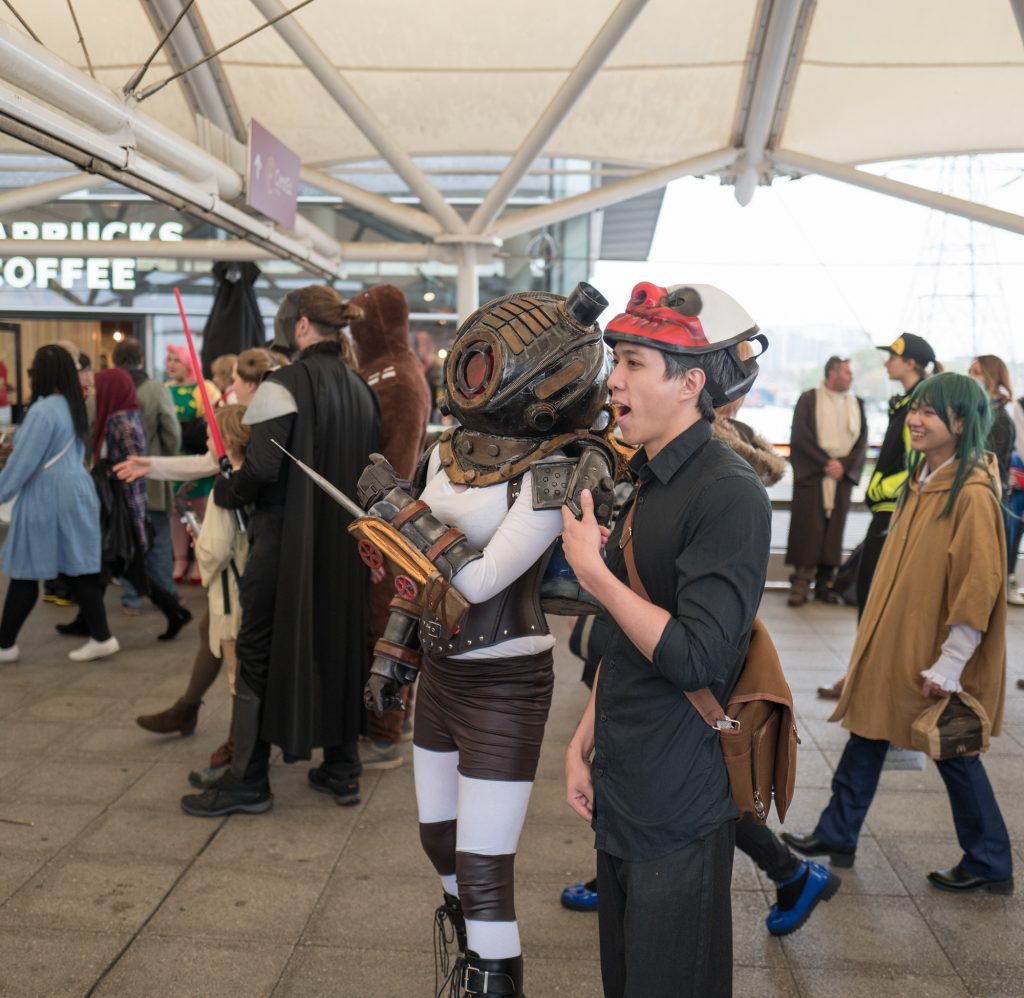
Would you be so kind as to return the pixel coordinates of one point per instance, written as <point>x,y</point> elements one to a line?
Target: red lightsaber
<point>211,422</point>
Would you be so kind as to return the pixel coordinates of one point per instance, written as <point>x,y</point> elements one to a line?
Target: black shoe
<point>492,977</point>
<point>808,845</point>
<point>959,880</point>
<point>228,795</point>
<point>175,623</point>
<point>345,792</point>
<point>77,628</point>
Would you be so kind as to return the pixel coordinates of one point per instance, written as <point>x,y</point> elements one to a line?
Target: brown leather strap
<point>404,515</point>
<point>390,650</point>
<point>445,541</point>
<point>703,700</point>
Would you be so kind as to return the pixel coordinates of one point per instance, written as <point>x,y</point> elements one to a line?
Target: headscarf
<point>186,358</point>
<point>115,392</point>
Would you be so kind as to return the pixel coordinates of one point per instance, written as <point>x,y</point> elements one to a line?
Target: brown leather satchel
<point>757,731</point>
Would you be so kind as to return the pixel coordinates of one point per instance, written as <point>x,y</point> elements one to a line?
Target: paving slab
<point>314,900</point>
<point>54,963</point>
<point>157,967</point>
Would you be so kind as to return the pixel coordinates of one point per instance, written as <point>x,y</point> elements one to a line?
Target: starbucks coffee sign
<point>74,272</point>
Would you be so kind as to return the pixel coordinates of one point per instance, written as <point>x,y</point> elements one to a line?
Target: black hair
<point>84,363</point>
<point>53,373</point>
<point>128,353</point>
<point>718,367</point>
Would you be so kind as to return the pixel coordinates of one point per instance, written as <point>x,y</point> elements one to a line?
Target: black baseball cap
<point>912,347</point>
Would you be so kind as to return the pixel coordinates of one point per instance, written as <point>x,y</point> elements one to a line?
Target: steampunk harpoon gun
<point>381,544</point>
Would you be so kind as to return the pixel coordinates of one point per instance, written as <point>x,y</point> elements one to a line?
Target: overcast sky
<point>815,251</point>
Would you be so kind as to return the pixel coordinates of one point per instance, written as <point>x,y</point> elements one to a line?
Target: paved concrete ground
<point>106,888</point>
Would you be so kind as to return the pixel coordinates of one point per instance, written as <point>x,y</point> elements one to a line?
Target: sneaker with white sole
<point>1014,596</point>
<point>379,755</point>
<point>95,649</point>
<point>9,654</point>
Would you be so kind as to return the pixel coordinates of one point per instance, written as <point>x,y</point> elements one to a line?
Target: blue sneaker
<point>581,897</point>
<point>819,884</point>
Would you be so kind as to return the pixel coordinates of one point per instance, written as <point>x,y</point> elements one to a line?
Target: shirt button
<point>604,716</point>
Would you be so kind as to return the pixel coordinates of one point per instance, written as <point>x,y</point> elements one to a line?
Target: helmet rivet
<point>493,449</point>
<point>470,475</point>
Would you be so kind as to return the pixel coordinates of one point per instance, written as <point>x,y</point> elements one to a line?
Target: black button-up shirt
<point>701,537</point>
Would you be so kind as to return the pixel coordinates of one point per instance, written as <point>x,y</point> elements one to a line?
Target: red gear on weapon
<point>406,588</point>
<point>370,555</point>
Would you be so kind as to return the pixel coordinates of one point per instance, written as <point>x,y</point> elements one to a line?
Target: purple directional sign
<point>273,187</point>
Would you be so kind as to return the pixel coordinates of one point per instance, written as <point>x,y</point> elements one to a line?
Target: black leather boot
<point>177,615</point>
<point>493,977</point>
<point>451,912</point>
<point>245,788</point>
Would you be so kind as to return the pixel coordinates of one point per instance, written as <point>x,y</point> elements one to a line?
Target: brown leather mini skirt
<point>491,712</point>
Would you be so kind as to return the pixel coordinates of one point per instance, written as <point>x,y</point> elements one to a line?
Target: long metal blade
<point>333,491</point>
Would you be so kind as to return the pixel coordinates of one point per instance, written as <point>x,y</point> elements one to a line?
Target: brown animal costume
<point>392,369</point>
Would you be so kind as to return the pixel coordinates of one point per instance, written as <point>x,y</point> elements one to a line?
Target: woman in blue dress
<point>55,523</point>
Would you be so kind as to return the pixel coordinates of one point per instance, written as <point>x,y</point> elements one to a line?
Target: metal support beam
<point>1018,13</point>
<point>600,197</point>
<point>467,287</point>
<point>397,214</point>
<point>29,197</point>
<point>215,249</point>
<point>362,115</point>
<point>39,72</point>
<point>27,120</point>
<point>780,37</point>
<point>801,164</point>
<point>205,87</point>
<point>562,103</point>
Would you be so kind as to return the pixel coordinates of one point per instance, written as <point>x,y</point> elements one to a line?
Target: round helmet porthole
<point>475,369</point>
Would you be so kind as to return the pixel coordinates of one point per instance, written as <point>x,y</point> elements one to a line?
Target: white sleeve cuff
<point>948,685</point>
<point>957,649</point>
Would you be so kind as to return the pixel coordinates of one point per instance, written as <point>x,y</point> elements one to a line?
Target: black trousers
<point>22,594</point>
<point>666,924</point>
<point>766,849</point>
<point>874,541</point>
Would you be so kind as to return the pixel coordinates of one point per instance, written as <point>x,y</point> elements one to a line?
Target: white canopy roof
<point>746,89</point>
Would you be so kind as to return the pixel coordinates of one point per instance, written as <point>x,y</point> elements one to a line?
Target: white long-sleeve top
<point>185,468</point>
<point>511,541</point>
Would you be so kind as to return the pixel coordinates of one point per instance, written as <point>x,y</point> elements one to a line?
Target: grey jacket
<point>163,435</point>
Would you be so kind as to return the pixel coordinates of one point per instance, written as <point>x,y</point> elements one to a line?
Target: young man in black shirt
<point>643,766</point>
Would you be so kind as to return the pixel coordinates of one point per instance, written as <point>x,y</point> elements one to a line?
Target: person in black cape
<point>302,654</point>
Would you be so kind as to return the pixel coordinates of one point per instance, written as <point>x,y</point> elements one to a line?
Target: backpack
<point>757,730</point>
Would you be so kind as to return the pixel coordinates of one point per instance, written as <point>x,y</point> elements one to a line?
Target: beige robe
<point>220,541</point>
<point>933,573</point>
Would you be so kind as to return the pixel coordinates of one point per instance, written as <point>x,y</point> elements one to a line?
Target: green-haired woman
<point>934,624</point>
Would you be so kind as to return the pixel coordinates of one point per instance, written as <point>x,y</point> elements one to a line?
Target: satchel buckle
<point>727,724</point>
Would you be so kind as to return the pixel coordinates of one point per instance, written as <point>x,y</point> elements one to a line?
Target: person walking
<point>55,523</point>
<point>934,625</point>
<point>118,434</point>
<point>163,438</point>
<point>828,443</point>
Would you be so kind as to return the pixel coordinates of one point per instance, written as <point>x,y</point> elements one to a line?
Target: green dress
<point>188,407</point>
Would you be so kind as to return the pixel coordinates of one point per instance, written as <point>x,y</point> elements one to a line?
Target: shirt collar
<point>673,456</point>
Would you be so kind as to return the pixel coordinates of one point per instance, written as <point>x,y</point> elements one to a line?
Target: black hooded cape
<point>318,653</point>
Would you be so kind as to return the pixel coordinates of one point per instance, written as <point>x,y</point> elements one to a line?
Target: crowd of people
<point>325,636</point>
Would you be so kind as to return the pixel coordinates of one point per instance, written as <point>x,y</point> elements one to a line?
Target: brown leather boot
<point>180,718</point>
<point>223,755</point>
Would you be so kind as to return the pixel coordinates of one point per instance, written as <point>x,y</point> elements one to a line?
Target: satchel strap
<point>703,700</point>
